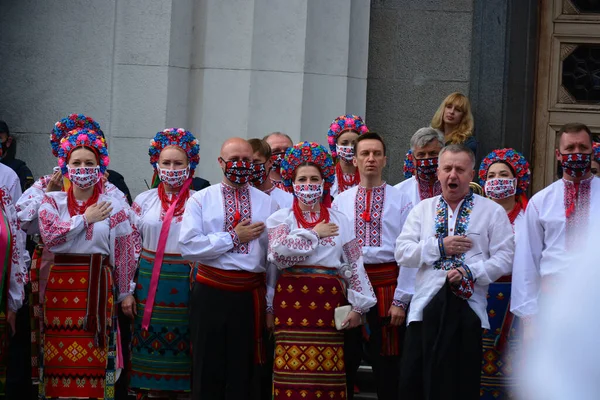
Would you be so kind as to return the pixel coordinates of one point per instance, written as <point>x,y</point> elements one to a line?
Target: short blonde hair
<point>465,128</point>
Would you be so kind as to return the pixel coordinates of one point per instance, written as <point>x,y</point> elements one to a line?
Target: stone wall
<point>220,68</point>
<point>419,52</point>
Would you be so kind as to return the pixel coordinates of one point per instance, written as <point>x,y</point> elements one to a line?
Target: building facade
<point>224,68</point>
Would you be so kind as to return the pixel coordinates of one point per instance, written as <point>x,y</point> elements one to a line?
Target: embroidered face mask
<point>173,177</point>
<point>426,167</point>
<point>308,193</point>
<point>238,171</point>
<point>346,153</point>
<point>577,164</point>
<point>259,176</point>
<point>84,177</point>
<point>277,158</point>
<point>500,188</point>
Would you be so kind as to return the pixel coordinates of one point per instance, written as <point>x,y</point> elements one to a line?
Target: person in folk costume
<point>264,164</point>
<point>160,308</point>
<point>505,177</point>
<point>13,275</point>
<point>279,143</point>
<point>596,160</point>
<point>28,206</point>
<point>377,212</point>
<point>223,231</point>
<point>420,165</point>
<point>95,255</point>
<point>341,137</point>
<point>320,260</point>
<point>556,220</point>
<point>460,243</point>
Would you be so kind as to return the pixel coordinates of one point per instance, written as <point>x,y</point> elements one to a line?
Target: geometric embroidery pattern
<point>237,207</point>
<point>368,230</point>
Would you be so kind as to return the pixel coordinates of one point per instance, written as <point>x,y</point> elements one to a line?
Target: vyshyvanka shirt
<point>376,219</point>
<point>207,231</point>
<point>556,223</point>
<point>481,220</point>
<point>290,245</point>
<point>113,236</point>
<point>14,251</point>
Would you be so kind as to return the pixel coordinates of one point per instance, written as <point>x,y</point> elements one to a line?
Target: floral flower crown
<point>596,154</point>
<point>307,152</point>
<point>409,165</point>
<point>342,123</point>
<point>66,125</point>
<point>516,161</point>
<point>82,138</point>
<point>175,137</point>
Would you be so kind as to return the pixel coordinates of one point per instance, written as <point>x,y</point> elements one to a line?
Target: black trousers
<point>353,352</point>
<point>262,382</point>
<point>441,358</point>
<point>18,369</point>
<point>385,368</point>
<point>222,329</point>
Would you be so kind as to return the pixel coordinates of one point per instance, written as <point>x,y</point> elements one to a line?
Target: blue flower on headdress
<point>181,138</point>
<point>515,159</point>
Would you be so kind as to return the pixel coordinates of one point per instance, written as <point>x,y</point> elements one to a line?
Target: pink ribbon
<point>5,245</point>
<point>160,252</point>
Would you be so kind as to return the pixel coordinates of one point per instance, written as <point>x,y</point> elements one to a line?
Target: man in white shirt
<point>223,231</point>
<point>264,166</point>
<point>460,243</point>
<point>377,212</point>
<point>556,220</point>
<point>425,146</point>
<point>279,143</point>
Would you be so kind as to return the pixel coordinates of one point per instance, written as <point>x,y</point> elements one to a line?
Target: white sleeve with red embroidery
<point>18,267</point>
<point>55,232</point>
<point>124,252</point>
<point>29,204</point>
<point>289,245</point>
<point>360,291</point>
<point>194,243</point>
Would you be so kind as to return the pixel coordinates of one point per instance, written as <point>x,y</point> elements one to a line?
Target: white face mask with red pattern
<point>500,188</point>
<point>308,193</point>
<point>84,177</point>
<point>173,177</point>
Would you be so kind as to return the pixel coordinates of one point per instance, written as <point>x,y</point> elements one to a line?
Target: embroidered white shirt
<point>18,267</point>
<point>490,257</point>
<point>547,242</point>
<point>291,245</point>
<point>389,209</point>
<point>207,234</point>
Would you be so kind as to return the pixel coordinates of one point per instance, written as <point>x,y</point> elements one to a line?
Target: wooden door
<point>568,78</point>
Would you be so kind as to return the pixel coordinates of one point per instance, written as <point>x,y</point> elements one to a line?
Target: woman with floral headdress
<point>454,118</point>
<point>505,176</point>
<point>317,255</point>
<point>95,256</point>
<point>27,210</point>
<point>341,137</point>
<point>161,360</point>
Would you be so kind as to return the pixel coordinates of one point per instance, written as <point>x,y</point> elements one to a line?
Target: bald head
<point>236,149</point>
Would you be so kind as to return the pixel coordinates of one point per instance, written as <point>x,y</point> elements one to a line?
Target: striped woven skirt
<point>161,358</point>
<point>497,380</point>
<point>41,262</point>
<point>79,337</point>
<point>309,351</point>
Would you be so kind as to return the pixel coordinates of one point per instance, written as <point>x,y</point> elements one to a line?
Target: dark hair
<point>4,127</point>
<point>367,136</point>
<point>574,127</point>
<point>9,148</point>
<point>261,147</point>
<point>510,167</point>
<point>306,164</point>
